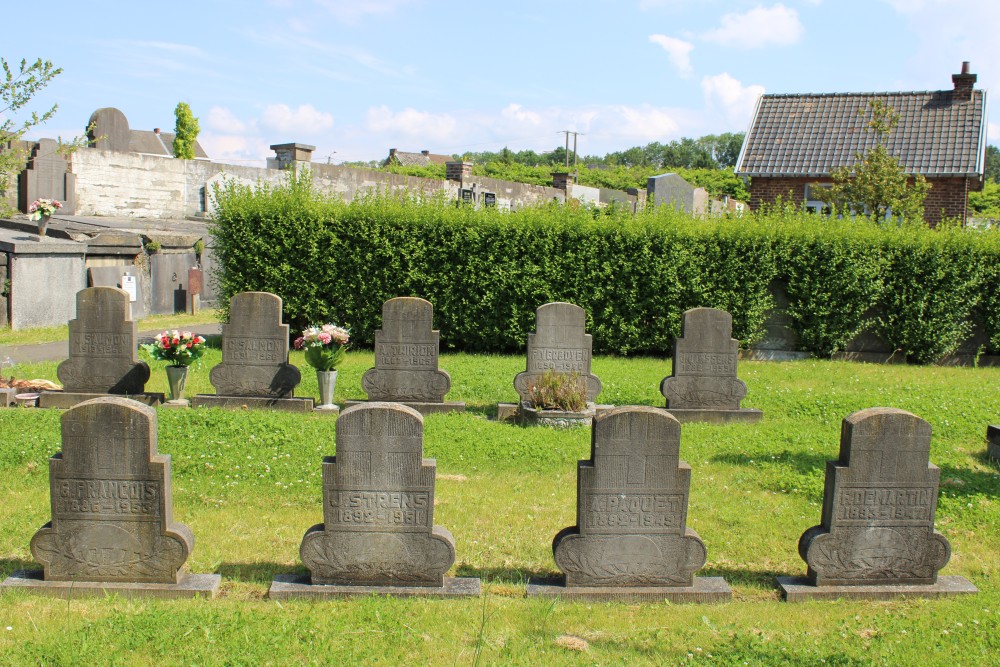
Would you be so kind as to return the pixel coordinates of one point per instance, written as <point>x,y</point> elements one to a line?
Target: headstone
<point>103,352</point>
<point>877,536</point>
<point>704,386</point>
<point>108,130</point>
<point>112,525</point>
<point>406,359</point>
<point>117,276</point>
<point>993,441</point>
<point>378,532</point>
<point>631,538</point>
<point>47,177</point>
<point>254,372</point>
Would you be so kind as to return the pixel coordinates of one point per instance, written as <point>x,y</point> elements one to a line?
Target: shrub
<point>559,391</point>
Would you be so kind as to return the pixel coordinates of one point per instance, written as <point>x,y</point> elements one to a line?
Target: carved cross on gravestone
<point>632,507</point>
<point>704,371</point>
<point>878,508</point>
<point>112,508</point>
<point>560,345</point>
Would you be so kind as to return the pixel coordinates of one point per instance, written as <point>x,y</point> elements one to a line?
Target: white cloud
<point>517,114</point>
<point>411,123</point>
<point>678,51</point>
<point>645,123</point>
<point>304,120</point>
<point>992,132</point>
<point>778,25</point>
<point>352,11</point>
<point>732,99</point>
<point>223,120</point>
<point>235,148</point>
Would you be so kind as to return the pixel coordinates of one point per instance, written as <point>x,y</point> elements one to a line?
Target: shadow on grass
<point>9,566</point>
<point>501,575</point>
<point>257,573</point>
<point>748,577</point>
<point>800,462</point>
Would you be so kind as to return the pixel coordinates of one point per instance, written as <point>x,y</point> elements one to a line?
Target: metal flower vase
<point>327,381</point>
<point>176,379</point>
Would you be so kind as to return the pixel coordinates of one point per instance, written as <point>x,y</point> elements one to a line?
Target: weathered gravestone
<point>631,538</point>
<point>378,532</point>
<point>560,345</point>
<point>704,386</point>
<point>103,352</point>
<point>47,177</point>
<point>254,372</point>
<point>993,441</point>
<point>877,537</point>
<point>112,525</point>
<point>406,359</point>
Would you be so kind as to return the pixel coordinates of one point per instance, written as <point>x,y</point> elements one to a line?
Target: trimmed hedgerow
<point>487,270</point>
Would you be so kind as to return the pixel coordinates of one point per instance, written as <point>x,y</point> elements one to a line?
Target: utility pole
<point>575,135</point>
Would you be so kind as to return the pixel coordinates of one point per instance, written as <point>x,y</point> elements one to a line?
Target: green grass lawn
<point>52,334</point>
<point>248,485</point>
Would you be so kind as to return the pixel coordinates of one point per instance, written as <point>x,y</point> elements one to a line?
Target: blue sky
<point>357,77</point>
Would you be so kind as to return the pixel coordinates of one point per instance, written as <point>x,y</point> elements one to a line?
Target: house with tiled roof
<point>796,141</point>
<point>421,159</point>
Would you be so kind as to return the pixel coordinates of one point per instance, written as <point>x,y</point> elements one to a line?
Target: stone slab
<point>7,395</point>
<point>252,403</point>
<point>704,590</point>
<point>192,585</point>
<point>64,400</point>
<point>328,410</point>
<point>506,412</point>
<point>741,416</point>
<point>799,589</point>
<point>298,586</point>
<point>993,441</point>
<point>422,408</point>
<point>177,403</point>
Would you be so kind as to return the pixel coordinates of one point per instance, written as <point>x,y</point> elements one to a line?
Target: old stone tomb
<point>378,533</point>
<point>704,386</point>
<point>631,539</point>
<point>993,441</point>
<point>877,537</point>
<point>406,359</point>
<point>559,346</point>
<point>254,372</point>
<point>112,527</point>
<point>103,353</point>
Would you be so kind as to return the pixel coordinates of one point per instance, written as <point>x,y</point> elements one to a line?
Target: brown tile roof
<point>809,135</point>
<point>416,159</point>
<point>149,143</point>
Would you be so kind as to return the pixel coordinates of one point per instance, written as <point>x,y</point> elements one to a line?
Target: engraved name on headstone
<point>561,345</point>
<point>103,356</point>
<point>632,506</point>
<point>112,517</point>
<point>406,355</point>
<point>378,505</point>
<point>255,350</point>
<point>878,507</point>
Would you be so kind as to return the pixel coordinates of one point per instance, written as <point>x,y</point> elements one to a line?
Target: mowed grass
<point>52,334</point>
<point>248,484</point>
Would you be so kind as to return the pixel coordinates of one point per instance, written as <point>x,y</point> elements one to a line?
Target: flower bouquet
<point>43,208</point>
<point>325,346</point>
<point>180,348</point>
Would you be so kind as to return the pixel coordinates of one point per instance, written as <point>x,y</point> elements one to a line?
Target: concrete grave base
<point>7,395</point>
<point>191,585</point>
<point>64,400</point>
<point>508,411</point>
<point>800,589</point>
<point>422,408</point>
<point>177,403</point>
<point>741,416</point>
<point>329,410</point>
<point>529,416</point>
<point>291,586</point>
<point>993,440</point>
<point>702,590</point>
<point>252,403</point>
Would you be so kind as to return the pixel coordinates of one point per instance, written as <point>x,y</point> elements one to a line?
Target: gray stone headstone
<point>993,441</point>
<point>406,355</point>
<point>378,505</point>
<point>112,516</point>
<point>47,177</point>
<point>103,357</point>
<point>108,130</point>
<point>878,507</point>
<point>561,345</point>
<point>111,276</point>
<point>255,350</point>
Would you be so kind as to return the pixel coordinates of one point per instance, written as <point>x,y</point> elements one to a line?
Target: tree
<point>185,132</point>
<point>992,172</point>
<point>877,184</point>
<point>16,90</point>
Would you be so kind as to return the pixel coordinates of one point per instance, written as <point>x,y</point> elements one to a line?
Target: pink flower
<point>325,338</point>
<point>298,343</point>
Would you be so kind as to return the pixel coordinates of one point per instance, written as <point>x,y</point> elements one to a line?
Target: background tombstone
<point>993,441</point>
<point>111,276</point>
<point>877,537</point>
<point>406,359</point>
<point>254,372</point>
<point>631,538</point>
<point>47,177</point>
<point>112,527</point>
<point>103,353</point>
<point>704,386</point>
<point>378,533</point>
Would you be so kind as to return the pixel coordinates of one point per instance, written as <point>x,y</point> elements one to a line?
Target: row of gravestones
<point>112,526</point>
<point>255,371</point>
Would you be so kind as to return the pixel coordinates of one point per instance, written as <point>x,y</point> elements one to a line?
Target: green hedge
<point>486,271</point>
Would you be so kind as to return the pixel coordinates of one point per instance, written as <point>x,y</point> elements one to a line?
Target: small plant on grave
<point>43,208</point>
<point>179,348</point>
<point>559,391</point>
<point>153,246</point>
<point>325,345</point>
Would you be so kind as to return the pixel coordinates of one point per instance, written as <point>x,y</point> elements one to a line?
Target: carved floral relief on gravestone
<point>255,350</point>
<point>561,345</point>
<point>406,355</point>
<point>378,505</point>
<point>103,357</point>
<point>704,375</point>
<point>632,506</point>
<point>112,508</point>
<point>878,507</point>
